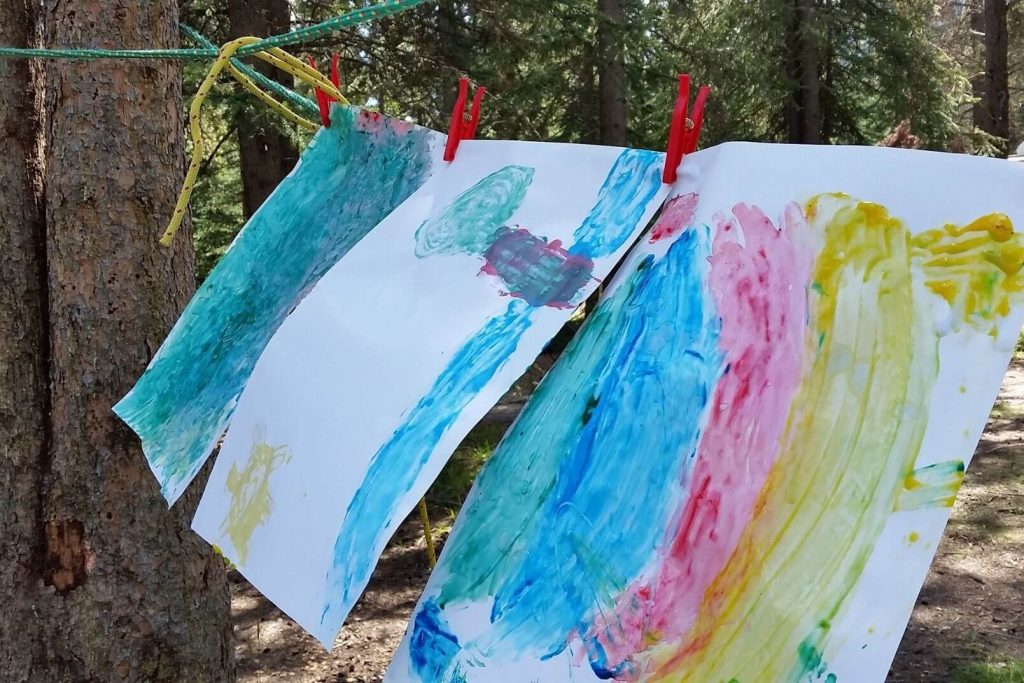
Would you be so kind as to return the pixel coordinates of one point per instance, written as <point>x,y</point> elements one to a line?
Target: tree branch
<point>209,160</point>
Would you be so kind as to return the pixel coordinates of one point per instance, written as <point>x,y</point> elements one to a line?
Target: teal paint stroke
<point>468,224</point>
<point>349,178</point>
<point>932,486</point>
<point>568,509</point>
<point>622,200</point>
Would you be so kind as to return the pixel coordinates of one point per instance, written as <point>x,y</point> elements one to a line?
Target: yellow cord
<point>304,72</point>
<point>279,107</point>
<point>275,56</point>
<point>427,535</point>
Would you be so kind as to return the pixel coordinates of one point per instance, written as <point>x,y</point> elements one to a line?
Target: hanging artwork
<point>740,468</point>
<point>367,388</point>
<point>351,176</point>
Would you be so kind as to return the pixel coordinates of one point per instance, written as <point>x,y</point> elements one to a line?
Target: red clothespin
<point>683,132</point>
<point>462,128</point>
<point>324,100</point>
<point>336,70</point>
<point>693,133</point>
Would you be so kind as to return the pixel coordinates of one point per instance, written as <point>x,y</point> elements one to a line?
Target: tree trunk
<point>612,78</point>
<point>452,52</point>
<point>992,87</point>
<point>979,80</point>
<point>582,112</point>
<point>99,581</point>
<point>803,107</point>
<point>265,153</point>
<point>23,346</point>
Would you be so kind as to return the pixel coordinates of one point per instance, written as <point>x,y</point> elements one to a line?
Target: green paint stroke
<point>468,224</point>
<point>933,486</point>
<point>811,661</point>
<point>250,494</point>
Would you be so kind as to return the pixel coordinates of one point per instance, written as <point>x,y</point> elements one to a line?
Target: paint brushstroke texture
<point>535,273</point>
<point>351,176</point>
<point>727,436</point>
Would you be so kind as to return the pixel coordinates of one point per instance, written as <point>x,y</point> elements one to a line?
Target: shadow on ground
<point>971,608</point>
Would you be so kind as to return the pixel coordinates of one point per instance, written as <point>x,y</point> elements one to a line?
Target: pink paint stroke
<point>374,122</point>
<point>675,217</point>
<point>760,291</point>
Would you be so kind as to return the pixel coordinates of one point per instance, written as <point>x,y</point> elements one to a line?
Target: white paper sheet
<point>741,468</point>
<point>366,378</point>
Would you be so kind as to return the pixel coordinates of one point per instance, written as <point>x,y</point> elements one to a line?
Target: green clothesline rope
<point>86,53</point>
<point>359,16</point>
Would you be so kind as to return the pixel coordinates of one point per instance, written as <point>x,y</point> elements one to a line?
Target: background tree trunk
<point>23,346</point>
<point>450,44</point>
<point>106,584</point>
<point>612,78</point>
<point>992,87</point>
<point>265,153</point>
<point>803,107</point>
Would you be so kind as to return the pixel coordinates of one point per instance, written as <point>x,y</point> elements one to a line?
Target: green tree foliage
<point>876,64</point>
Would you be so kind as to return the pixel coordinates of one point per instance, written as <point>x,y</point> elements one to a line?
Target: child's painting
<point>349,178</point>
<point>740,468</point>
<point>380,372</point>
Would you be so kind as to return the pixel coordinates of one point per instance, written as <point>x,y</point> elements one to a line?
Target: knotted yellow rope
<point>275,56</point>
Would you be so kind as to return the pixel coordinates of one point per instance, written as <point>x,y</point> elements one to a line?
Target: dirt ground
<point>969,614</point>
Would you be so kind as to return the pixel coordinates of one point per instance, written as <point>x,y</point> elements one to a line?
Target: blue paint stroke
<point>370,519</point>
<point>631,184</point>
<point>433,645</point>
<point>571,505</point>
<point>349,178</point>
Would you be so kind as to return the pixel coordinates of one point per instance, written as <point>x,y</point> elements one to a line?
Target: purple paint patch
<point>540,272</point>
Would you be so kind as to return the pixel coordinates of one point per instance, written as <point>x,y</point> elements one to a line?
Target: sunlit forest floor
<point>967,626</point>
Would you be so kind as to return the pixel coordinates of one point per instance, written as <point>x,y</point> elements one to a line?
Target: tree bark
<point>992,87</point>
<point>23,345</point>
<point>612,77</point>
<point>803,106</point>
<point>451,46</point>
<point>265,153</point>
<point>979,79</point>
<point>99,581</point>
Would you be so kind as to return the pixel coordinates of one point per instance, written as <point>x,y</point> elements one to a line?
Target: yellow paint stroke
<point>250,494</point>
<point>975,268</point>
<point>853,434</point>
<point>912,537</point>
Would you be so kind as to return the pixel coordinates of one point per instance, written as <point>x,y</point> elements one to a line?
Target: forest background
<point>603,71</point>
<point>98,579</point>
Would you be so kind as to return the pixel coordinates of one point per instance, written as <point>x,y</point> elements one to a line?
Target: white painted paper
<point>371,357</point>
